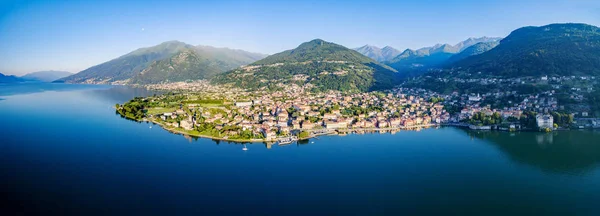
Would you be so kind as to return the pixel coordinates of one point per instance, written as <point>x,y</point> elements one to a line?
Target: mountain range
<point>556,49</point>
<point>46,76</point>
<point>167,62</point>
<point>428,57</point>
<point>322,64</point>
<point>10,79</point>
<point>476,49</point>
<point>41,76</point>
<point>378,54</point>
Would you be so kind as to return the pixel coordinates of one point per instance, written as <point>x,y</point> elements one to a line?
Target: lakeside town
<point>222,112</point>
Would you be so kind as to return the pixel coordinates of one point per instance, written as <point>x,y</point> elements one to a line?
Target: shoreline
<point>339,132</point>
<point>342,132</point>
<point>207,137</point>
<point>329,132</point>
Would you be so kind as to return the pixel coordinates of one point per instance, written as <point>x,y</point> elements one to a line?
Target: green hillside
<point>128,65</point>
<point>192,64</point>
<point>168,61</point>
<point>476,49</point>
<point>322,64</point>
<point>556,49</point>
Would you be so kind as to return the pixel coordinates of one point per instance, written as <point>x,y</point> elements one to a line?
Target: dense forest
<point>557,49</point>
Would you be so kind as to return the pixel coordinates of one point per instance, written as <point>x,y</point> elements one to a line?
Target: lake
<point>65,151</point>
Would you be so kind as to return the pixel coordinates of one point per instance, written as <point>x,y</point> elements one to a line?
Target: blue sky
<point>74,35</point>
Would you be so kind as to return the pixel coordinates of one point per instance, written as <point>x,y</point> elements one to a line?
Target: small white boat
<point>285,142</point>
<point>244,149</point>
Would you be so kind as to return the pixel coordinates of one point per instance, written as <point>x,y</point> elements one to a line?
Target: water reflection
<point>571,152</point>
<point>303,142</point>
<point>121,94</point>
<point>544,139</point>
<point>34,87</point>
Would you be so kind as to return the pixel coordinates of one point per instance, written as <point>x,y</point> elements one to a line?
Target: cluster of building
<point>571,88</point>
<point>294,110</point>
<point>510,104</point>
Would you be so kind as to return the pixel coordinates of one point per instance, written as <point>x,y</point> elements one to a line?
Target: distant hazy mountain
<point>199,62</point>
<point>473,50</point>
<point>436,55</point>
<point>10,79</point>
<point>472,41</point>
<point>421,58</point>
<point>322,64</point>
<point>389,53</point>
<point>46,76</point>
<point>168,61</point>
<point>378,54</point>
<point>556,49</point>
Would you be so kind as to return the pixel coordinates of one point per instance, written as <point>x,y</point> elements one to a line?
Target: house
<point>269,135</point>
<point>186,125</point>
<point>313,113</point>
<point>382,124</point>
<point>545,121</point>
<point>474,98</point>
<point>584,114</point>
<point>395,122</point>
<point>369,124</point>
<point>408,123</point>
<point>335,124</point>
<point>302,108</point>
<point>243,104</point>
<point>307,125</point>
<point>284,129</point>
<point>418,120</point>
<point>282,123</point>
<point>329,116</point>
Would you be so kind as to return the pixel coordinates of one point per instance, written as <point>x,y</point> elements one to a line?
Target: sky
<point>74,35</point>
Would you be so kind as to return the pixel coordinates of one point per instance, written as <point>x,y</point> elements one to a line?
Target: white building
<point>335,125</point>
<point>185,124</point>
<point>243,104</point>
<point>269,135</point>
<point>475,98</point>
<point>545,121</point>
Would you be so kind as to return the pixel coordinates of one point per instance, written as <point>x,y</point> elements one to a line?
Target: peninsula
<point>220,112</point>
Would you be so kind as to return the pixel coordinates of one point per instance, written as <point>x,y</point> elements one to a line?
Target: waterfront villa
<point>545,121</point>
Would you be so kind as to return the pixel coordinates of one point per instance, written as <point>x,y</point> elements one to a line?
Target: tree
<point>436,99</point>
<point>497,118</point>
<point>303,134</point>
<point>336,107</point>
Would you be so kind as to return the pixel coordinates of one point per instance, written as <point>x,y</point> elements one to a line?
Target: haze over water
<point>64,150</point>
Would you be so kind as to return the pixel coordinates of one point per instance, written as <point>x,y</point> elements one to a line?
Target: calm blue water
<point>64,151</point>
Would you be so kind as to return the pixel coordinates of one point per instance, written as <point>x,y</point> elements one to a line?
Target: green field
<point>160,110</point>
